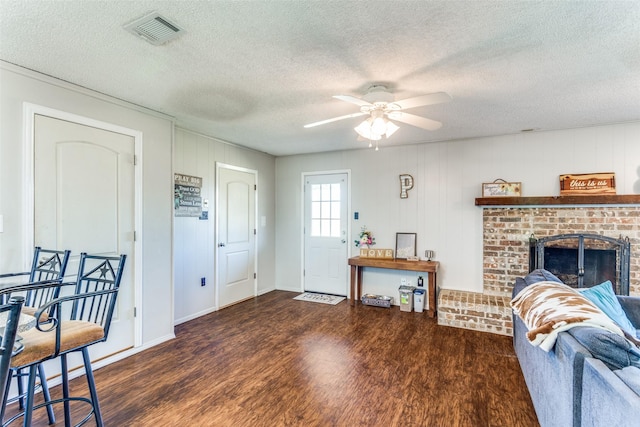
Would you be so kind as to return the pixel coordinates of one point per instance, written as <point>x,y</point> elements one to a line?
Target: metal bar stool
<point>75,322</point>
<point>47,265</point>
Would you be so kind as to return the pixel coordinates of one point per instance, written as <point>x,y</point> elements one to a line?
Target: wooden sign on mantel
<point>588,184</point>
<point>376,253</point>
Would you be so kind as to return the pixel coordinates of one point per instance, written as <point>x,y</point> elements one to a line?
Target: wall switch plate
<point>203,281</point>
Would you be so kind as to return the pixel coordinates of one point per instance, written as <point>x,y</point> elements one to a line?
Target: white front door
<point>236,224</point>
<point>84,194</point>
<point>325,233</point>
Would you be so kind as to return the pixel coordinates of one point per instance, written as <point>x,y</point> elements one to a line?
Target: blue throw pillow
<point>614,351</point>
<point>602,295</point>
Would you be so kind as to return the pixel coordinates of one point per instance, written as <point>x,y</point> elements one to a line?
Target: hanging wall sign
<point>501,188</point>
<point>406,184</point>
<point>187,199</point>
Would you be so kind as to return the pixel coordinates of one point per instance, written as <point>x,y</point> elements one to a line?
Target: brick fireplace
<point>506,234</point>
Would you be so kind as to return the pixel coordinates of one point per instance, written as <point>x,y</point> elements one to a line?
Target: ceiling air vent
<point>154,28</point>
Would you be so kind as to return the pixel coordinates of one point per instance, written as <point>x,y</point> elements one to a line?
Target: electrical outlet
<point>203,281</point>
<point>403,281</point>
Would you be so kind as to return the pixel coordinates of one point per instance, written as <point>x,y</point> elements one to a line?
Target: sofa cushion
<point>540,275</point>
<point>614,351</point>
<point>548,308</point>
<point>631,377</point>
<point>603,296</point>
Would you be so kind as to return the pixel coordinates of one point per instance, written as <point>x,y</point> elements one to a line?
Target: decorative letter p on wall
<point>406,184</point>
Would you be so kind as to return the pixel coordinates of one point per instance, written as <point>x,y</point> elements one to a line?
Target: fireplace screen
<point>583,260</point>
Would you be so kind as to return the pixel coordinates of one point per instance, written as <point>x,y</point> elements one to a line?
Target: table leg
<point>432,295</point>
<point>353,285</point>
<point>359,284</point>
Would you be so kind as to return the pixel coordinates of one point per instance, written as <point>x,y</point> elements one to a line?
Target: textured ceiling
<point>254,72</point>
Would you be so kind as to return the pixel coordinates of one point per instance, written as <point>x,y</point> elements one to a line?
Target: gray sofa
<point>581,381</point>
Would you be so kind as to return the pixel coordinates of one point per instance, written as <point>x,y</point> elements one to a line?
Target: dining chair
<point>75,322</point>
<point>10,315</point>
<point>47,265</point>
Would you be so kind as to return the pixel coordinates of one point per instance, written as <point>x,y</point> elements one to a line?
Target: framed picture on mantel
<point>501,188</point>
<point>405,245</point>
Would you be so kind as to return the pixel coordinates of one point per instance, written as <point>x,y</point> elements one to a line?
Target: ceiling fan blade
<point>352,99</point>
<point>335,119</point>
<point>417,121</point>
<point>419,101</point>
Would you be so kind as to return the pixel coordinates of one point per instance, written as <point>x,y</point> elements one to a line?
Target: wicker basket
<point>377,300</point>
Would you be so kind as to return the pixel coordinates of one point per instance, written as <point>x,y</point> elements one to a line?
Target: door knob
<point>344,241</point>
<point>221,245</point>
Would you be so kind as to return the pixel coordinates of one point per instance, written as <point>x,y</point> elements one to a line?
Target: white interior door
<point>236,224</point>
<point>84,195</point>
<point>325,233</point>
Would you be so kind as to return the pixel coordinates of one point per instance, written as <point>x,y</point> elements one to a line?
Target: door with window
<point>325,233</point>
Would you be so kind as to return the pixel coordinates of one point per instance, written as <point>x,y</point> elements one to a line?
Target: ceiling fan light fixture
<point>391,128</point>
<point>364,129</point>
<point>379,105</point>
<point>375,127</point>
<point>379,126</point>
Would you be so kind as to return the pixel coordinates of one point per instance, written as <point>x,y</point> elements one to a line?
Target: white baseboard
<point>284,288</point>
<point>194,316</point>
<point>75,373</point>
<point>266,291</point>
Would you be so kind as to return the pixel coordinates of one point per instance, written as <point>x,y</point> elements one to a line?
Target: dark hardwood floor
<point>274,361</point>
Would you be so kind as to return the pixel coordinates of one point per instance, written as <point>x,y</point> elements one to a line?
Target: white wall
<point>195,240</point>
<point>19,86</point>
<point>448,177</point>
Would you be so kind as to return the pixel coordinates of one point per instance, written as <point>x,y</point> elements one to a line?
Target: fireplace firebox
<point>583,260</point>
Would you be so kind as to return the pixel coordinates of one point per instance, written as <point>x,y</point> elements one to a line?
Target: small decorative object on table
<point>376,253</point>
<point>366,238</point>
<point>405,245</point>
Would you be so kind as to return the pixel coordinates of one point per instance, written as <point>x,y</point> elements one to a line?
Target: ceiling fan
<point>378,103</point>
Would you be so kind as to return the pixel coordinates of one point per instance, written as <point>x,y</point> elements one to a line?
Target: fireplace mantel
<point>626,199</point>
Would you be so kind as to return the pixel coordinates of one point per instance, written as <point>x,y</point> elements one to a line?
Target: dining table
<point>25,322</point>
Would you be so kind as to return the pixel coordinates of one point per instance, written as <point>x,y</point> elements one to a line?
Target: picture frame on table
<point>405,245</point>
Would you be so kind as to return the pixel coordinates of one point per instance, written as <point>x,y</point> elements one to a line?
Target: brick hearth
<point>506,232</point>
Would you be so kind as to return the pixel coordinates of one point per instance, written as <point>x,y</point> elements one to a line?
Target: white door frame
<point>220,165</point>
<point>304,176</point>
<point>29,113</point>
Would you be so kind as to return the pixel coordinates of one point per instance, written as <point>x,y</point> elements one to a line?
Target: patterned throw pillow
<point>548,308</point>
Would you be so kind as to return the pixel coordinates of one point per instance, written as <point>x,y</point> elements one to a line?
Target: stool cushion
<point>40,345</point>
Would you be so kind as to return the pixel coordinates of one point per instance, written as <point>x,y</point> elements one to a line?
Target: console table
<point>431,267</point>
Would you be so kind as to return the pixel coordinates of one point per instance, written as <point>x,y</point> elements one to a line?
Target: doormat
<point>321,298</point>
